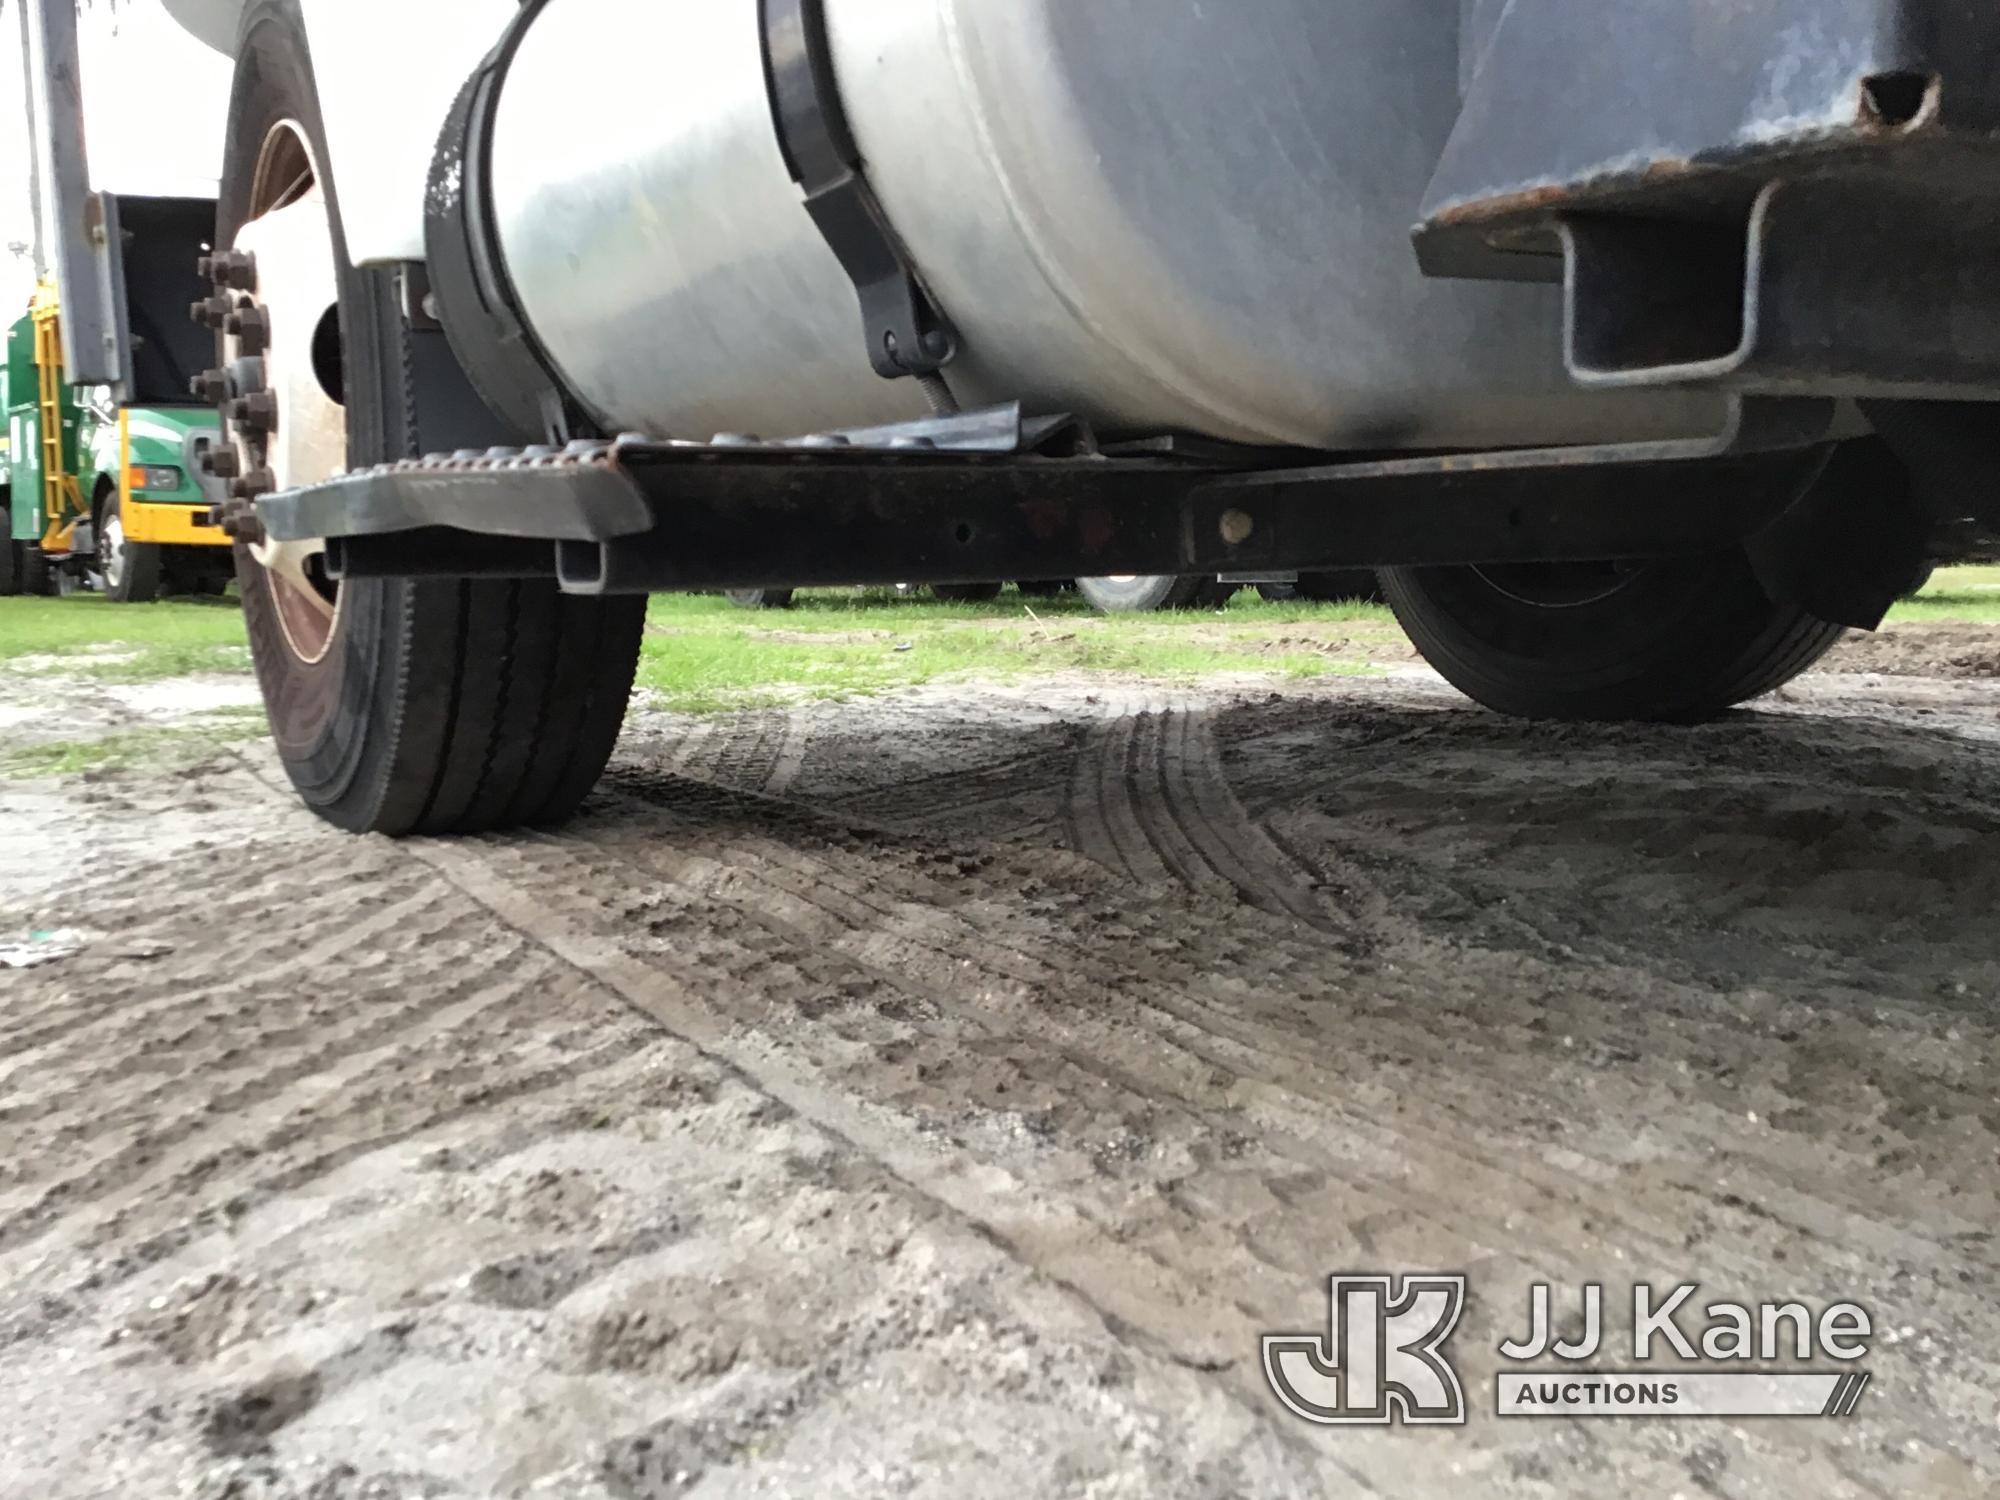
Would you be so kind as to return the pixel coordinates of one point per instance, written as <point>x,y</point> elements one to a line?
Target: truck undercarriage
<point>1688,367</point>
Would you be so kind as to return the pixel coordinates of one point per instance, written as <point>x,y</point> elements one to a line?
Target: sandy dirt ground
<point>941,1094</point>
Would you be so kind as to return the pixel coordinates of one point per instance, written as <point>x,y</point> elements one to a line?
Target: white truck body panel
<point>388,71</point>
<point>213,22</point>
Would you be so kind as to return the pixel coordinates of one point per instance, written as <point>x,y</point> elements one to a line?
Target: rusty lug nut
<point>234,268</point>
<point>251,327</point>
<point>211,386</point>
<point>257,411</point>
<point>211,312</point>
<point>221,463</point>
<point>257,482</point>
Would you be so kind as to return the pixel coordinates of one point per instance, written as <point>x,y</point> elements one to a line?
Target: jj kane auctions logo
<point>1383,1357</point>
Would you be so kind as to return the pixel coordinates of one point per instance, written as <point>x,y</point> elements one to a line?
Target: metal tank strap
<point>906,332</point>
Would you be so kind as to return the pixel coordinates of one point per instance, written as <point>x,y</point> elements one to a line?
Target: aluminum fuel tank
<point>1164,216</point>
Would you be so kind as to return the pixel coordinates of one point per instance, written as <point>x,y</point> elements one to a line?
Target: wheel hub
<point>279,387</point>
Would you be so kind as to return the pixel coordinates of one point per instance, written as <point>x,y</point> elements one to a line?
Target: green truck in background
<point>109,493</point>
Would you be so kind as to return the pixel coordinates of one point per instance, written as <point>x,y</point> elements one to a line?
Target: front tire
<point>130,570</point>
<point>1673,641</point>
<point>398,706</point>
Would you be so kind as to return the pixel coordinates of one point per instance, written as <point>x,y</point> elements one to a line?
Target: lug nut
<point>234,268</point>
<point>211,386</point>
<point>211,312</point>
<point>251,327</point>
<point>240,524</point>
<point>257,482</point>
<point>257,411</point>
<point>221,463</point>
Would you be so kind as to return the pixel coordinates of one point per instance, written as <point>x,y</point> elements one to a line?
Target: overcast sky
<point>154,101</point>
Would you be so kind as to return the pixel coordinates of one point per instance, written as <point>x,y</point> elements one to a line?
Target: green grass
<point>1969,593</point>
<point>151,749</point>
<point>109,642</point>
<point>702,654</point>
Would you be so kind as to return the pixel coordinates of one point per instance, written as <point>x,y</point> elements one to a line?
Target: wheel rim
<point>1559,585</point>
<point>111,546</point>
<point>290,231</point>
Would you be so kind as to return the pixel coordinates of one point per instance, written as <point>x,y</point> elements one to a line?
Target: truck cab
<point>119,499</point>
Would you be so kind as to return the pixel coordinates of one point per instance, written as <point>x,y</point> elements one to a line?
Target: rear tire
<point>759,598</point>
<point>130,570</point>
<point>434,706</point>
<point>1673,641</point>
<point>36,577</point>
<point>1145,593</point>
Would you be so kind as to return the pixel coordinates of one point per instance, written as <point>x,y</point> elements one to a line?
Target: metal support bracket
<point>1865,286</point>
<point>906,332</point>
<point>960,503</point>
<point>86,251</point>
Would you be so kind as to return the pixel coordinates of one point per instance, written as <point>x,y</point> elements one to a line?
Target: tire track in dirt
<point>299,1035</point>
<point>962,801</point>
<point>1715,1017</point>
<point>1143,1300</point>
<point>235,915</point>
<point>1210,1043</point>
<point>1273,1044</point>
<point>1755,761</point>
<point>1181,1107</point>
<point>1149,800</point>
<point>1156,1280</point>
<point>357,1104</point>
<point>332,1056</point>
<point>1187,1064</point>
<point>129,1024</point>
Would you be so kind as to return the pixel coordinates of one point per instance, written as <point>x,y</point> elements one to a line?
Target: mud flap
<point>1855,544</point>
